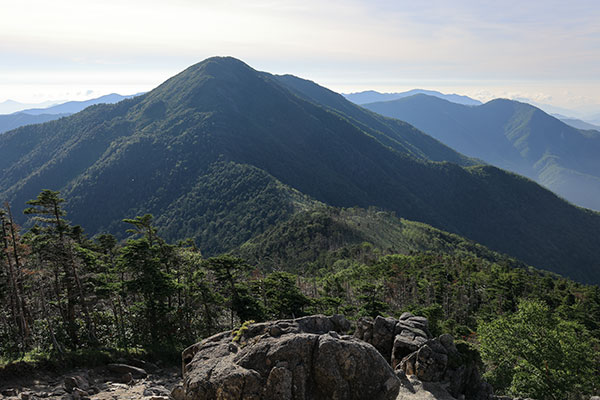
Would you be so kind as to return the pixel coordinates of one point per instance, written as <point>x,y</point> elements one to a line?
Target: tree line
<point>62,292</point>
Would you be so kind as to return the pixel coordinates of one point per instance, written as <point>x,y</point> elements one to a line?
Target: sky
<point>547,51</point>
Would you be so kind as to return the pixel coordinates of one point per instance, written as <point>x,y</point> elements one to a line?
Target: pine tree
<point>56,249</point>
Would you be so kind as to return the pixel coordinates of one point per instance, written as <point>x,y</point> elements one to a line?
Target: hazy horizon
<point>548,51</point>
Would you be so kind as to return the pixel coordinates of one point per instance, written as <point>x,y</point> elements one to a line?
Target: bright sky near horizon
<point>547,51</point>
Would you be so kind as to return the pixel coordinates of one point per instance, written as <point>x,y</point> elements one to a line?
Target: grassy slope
<point>319,237</point>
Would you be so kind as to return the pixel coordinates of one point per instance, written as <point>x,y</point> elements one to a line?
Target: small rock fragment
<point>10,392</point>
<point>122,369</point>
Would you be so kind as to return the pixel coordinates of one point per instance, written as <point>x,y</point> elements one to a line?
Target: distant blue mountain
<point>11,106</point>
<point>71,107</point>
<point>593,119</point>
<point>40,115</point>
<point>577,123</point>
<point>511,135</point>
<point>16,120</point>
<point>371,96</point>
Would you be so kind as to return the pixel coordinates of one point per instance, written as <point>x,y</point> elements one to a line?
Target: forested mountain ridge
<point>222,121</point>
<point>321,236</point>
<point>514,136</point>
<point>40,115</point>
<point>391,132</point>
<point>100,143</point>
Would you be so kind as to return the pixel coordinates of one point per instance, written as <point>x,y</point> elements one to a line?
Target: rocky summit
<point>313,358</point>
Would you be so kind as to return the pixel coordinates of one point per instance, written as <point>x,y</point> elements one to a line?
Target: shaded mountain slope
<point>12,106</point>
<point>391,132</point>
<point>512,135</point>
<point>221,121</point>
<point>230,204</point>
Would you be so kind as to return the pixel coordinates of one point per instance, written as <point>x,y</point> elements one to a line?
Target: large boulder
<point>384,330</point>
<point>428,363</point>
<point>434,365</point>
<point>394,339</point>
<point>302,359</point>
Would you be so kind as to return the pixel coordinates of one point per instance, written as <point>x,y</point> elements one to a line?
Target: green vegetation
<point>394,133</point>
<point>78,299</point>
<point>511,135</point>
<point>221,152</point>
<point>239,333</point>
<point>193,147</point>
<point>229,159</point>
<point>228,205</point>
<point>536,354</point>
<point>65,294</point>
<point>319,237</point>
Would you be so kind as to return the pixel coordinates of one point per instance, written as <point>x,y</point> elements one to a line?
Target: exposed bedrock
<point>312,358</point>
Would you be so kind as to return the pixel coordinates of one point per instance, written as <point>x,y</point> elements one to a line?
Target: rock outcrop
<point>311,358</point>
<point>307,358</point>
<point>409,347</point>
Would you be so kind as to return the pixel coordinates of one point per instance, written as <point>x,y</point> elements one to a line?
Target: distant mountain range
<point>595,119</point>
<point>39,115</point>
<point>577,119</point>
<point>371,96</point>
<point>13,121</point>
<point>11,106</point>
<point>511,135</point>
<point>577,123</point>
<point>588,114</point>
<point>222,152</point>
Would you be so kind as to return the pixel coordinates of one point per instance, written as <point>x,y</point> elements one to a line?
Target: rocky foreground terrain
<point>312,358</point>
<point>300,359</point>
<point>113,381</point>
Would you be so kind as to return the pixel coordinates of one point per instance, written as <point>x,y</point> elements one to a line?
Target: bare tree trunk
<point>86,313</point>
<point>23,311</point>
<point>16,302</point>
<point>55,343</point>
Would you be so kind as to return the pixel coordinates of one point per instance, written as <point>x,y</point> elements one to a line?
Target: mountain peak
<point>218,64</point>
<point>514,135</point>
<point>219,133</point>
<point>213,80</point>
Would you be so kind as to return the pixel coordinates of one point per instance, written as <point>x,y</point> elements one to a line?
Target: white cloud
<point>338,43</point>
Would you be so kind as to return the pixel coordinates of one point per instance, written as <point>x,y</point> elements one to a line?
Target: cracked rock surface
<point>307,358</point>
